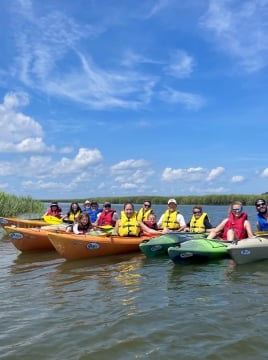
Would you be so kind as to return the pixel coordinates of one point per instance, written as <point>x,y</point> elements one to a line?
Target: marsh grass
<point>11,205</point>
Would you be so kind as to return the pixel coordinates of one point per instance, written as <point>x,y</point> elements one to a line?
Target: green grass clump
<point>11,205</point>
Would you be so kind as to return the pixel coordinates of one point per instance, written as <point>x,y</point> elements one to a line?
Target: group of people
<point>235,226</point>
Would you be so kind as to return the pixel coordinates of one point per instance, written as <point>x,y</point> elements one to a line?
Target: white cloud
<point>189,100</point>
<point>240,29</point>
<point>181,65</point>
<point>237,179</point>
<point>19,133</point>
<point>187,175</point>
<point>264,173</point>
<point>214,173</point>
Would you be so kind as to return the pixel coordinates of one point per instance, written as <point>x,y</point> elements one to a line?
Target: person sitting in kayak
<point>199,222</point>
<point>73,213</point>
<point>151,222</point>
<point>145,211</point>
<point>82,225</point>
<point>54,210</point>
<point>262,215</point>
<point>235,227</point>
<point>128,225</point>
<point>107,216</point>
<point>172,220</point>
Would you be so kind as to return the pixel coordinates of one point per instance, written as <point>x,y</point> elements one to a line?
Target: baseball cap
<point>54,204</point>
<point>172,201</point>
<point>260,201</point>
<point>107,203</point>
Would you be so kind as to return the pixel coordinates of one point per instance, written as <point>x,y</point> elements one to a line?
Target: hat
<point>107,203</point>
<point>54,204</point>
<point>172,201</point>
<point>87,202</point>
<point>260,200</point>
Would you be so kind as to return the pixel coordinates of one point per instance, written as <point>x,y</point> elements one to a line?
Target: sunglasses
<point>236,210</point>
<point>260,204</point>
<point>196,212</point>
<point>146,205</point>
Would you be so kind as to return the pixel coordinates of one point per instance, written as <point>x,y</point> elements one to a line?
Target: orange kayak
<point>30,239</point>
<point>74,247</point>
<point>25,223</point>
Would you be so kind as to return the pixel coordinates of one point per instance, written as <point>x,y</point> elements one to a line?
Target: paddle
<point>52,220</point>
<point>262,233</point>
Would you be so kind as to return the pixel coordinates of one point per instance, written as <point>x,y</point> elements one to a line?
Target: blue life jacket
<point>263,223</point>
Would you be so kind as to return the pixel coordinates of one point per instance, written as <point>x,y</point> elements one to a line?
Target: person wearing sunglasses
<point>145,211</point>
<point>199,222</point>
<point>262,215</point>
<point>235,227</point>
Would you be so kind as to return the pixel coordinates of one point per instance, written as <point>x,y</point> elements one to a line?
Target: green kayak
<point>159,245</point>
<point>198,250</point>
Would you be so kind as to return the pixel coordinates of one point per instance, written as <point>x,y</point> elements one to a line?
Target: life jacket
<point>151,225</point>
<point>263,223</point>
<point>56,213</point>
<point>128,226</point>
<point>106,218</point>
<point>198,224</point>
<point>73,216</point>
<point>236,224</point>
<point>143,214</point>
<point>170,220</point>
<point>93,214</point>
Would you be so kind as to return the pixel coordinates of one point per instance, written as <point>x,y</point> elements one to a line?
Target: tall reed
<point>11,205</point>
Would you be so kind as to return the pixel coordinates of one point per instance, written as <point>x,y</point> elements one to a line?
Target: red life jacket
<point>150,225</point>
<point>56,213</point>
<point>237,224</point>
<point>106,218</point>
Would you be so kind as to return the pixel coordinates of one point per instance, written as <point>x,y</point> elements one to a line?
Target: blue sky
<point>146,97</point>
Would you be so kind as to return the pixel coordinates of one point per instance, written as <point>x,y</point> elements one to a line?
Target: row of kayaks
<point>181,247</point>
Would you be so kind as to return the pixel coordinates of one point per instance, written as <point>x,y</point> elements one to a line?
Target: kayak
<point>198,250</point>
<point>36,239</point>
<point>26,223</point>
<point>249,250</point>
<point>29,239</point>
<point>29,223</point>
<point>75,247</point>
<point>159,245</point>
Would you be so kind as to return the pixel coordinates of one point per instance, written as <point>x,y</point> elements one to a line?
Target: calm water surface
<point>132,307</point>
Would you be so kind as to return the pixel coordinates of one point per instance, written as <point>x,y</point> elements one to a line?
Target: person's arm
<point>148,230</point>
<point>258,226</point>
<point>159,223</point>
<point>181,221</point>
<point>116,227</point>
<point>115,216</point>
<point>248,228</point>
<point>207,224</point>
<point>217,230</point>
<point>75,229</point>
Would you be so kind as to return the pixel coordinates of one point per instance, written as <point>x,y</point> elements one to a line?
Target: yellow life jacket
<point>170,220</point>
<point>143,214</point>
<point>128,226</point>
<point>198,224</point>
<point>73,217</point>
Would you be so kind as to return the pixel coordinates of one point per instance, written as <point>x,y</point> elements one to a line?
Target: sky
<point>124,98</point>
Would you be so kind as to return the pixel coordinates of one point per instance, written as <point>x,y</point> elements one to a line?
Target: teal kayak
<point>159,245</point>
<point>198,250</point>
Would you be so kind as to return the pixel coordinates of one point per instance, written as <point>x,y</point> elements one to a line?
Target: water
<point>131,307</point>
